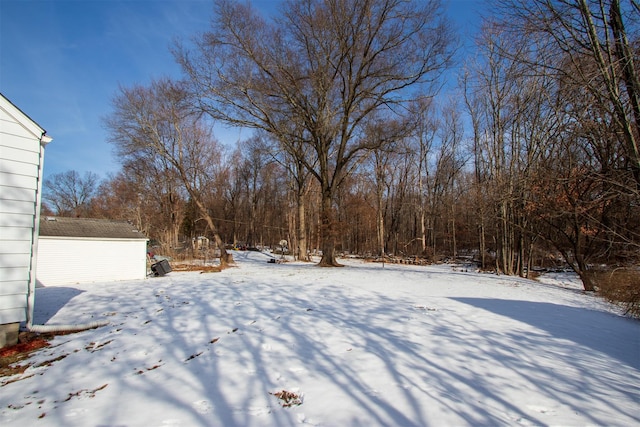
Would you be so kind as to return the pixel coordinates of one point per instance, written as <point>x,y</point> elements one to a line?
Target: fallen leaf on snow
<point>288,398</point>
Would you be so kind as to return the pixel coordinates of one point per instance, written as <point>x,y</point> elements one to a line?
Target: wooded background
<point>371,137</point>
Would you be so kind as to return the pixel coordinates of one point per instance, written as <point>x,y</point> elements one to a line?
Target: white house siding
<point>65,261</point>
<point>21,151</point>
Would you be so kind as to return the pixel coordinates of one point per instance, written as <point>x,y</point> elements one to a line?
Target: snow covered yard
<point>358,346</point>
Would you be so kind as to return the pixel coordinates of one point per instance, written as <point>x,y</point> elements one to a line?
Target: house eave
<point>24,120</point>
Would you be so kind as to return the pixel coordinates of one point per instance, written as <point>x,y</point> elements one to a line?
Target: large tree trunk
<point>584,273</point>
<point>225,257</point>
<point>453,232</point>
<point>483,245</point>
<point>587,281</point>
<point>421,213</point>
<point>302,228</point>
<point>380,225</point>
<point>328,231</point>
<point>578,264</point>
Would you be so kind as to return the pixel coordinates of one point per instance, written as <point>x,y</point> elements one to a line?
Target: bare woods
<point>370,130</point>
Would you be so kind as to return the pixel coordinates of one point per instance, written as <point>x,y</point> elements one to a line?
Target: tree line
<point>531,161</point>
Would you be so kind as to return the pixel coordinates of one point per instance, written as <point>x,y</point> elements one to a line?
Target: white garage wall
<point>64,261</point>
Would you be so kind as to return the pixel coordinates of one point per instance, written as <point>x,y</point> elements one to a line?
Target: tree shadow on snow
<point>236,338</point>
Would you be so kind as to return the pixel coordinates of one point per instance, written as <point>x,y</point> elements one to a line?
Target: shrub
<point>620,286</point>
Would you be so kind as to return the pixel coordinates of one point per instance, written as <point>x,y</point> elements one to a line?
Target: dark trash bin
<point>161,268</point>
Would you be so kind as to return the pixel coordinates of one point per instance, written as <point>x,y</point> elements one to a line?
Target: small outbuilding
<point>85,250</point>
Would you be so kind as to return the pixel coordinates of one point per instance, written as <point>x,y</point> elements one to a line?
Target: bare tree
<point>69,193</point>
<point>448,169</point>
<point>473,104</point>
<point>384,164</point>
<point>160,193</point>
<point>425,129</point>
<point>325,66</point>
<point>556,33</point>
<point>289,156</point>
<point>299,182</point>
<point>122,196</point>
<point>582,53</point>
<point>156,124</point>
<point>254,162</point>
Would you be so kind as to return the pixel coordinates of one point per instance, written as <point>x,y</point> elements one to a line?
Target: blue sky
<point>62,61</point>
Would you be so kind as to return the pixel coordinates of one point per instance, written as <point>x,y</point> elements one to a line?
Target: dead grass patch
<point>194,267</point>
<point>11,357</point>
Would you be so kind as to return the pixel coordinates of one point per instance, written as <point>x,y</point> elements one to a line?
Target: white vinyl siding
<point>65,261</point>
<point>20,148</point>
<point>12,153</point>
<point>18,168</point>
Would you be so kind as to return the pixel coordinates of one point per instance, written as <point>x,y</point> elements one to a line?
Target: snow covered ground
<point>363,345</point>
